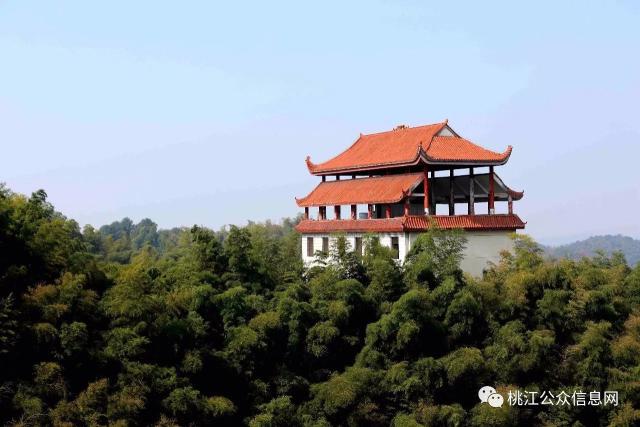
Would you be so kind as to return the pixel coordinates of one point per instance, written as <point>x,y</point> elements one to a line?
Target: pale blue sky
<point>203,112</point>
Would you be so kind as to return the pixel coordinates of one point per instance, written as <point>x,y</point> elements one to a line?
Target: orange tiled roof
<point>455,148</point>
<point>405,146</point>
<point>466,222</point>
<point>350,225</point>
<point>383,189</point>
<point>413,223</point>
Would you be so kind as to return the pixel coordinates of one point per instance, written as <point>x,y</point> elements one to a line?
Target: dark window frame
<point>310,244</point>
<point>358,245</point>
<point>395,246</point>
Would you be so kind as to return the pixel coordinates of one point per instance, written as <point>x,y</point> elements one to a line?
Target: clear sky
<point>203,112</point>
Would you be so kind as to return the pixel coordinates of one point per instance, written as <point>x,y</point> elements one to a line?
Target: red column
<point>324,178</point>
<point>370,211</point>
<point>452,208</point>
<point>432,195</point>
<point>510,204</point>
<point>471,208</point>
<point>491,191</point>
<point>426,190</point>
<point>306,212</point>
<point>336,211</point>
<point>354,212</point>
<point>387,211</point>
<point>337,177</point>
<point>406,207</point>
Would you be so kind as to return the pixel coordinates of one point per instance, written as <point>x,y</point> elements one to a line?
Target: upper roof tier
<point>408,146</point>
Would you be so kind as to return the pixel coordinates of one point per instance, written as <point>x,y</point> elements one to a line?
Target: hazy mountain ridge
<point>629,246</point>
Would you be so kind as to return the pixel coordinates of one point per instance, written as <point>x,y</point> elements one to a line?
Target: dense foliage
<point>128,325</point>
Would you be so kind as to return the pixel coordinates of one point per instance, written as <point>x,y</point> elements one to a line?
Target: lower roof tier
<point>394,188</point>
<point>412,223</point>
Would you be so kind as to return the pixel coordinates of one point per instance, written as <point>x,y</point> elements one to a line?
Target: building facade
<point>397,184</point>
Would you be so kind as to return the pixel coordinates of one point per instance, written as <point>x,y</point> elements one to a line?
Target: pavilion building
<point>398,183</point>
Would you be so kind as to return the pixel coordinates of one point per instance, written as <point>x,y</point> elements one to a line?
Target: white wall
<point>446,131</point>
<point>482,247</point>
<point>385,240</point>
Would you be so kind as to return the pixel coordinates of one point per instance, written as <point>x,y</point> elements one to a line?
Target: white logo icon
<point>488,394</point>
<point>485,392</point>
<point>496,400</point>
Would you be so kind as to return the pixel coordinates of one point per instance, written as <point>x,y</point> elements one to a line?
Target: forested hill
<point>130,326</point>
<point>608,244</point>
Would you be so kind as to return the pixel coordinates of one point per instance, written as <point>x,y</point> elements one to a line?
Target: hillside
<point>629,246</point>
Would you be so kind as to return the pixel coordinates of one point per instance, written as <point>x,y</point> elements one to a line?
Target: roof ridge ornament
<point>310,165</point>
<point>400,127</point>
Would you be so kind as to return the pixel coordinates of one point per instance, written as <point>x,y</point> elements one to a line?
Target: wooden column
<point>472,195</point>
<point>432,193</point>
<point>369,211</point>
<point>353,177</point>
<point>492,195</point>
<point>322,212</point>
<point>426,191</point>
<point>510,204</point>
<point>336,211</point>
<point>324,178</point>
<point>354,211</point>
<point>306,212</point>
<point>452,208</point>
<point>387,211</point>
<point>406,207</point>
<point>337,177</point>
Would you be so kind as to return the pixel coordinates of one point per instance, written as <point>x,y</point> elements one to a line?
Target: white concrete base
<point>481,248</point>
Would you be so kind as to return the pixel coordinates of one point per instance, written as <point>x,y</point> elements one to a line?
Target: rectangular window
<point>309,246</point>
<point>395,246</point>
<point>358,248</point>
<point>325,245</point>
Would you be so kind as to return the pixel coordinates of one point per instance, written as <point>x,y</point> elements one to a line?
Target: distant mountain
<point>629,246</point>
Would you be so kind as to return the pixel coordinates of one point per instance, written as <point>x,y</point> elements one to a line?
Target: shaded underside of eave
<point>462,190</point>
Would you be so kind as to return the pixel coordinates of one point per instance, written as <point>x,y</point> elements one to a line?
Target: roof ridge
<point>405,128</point>
<point>375,177</point>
